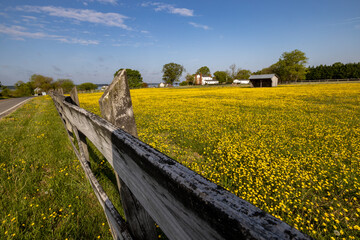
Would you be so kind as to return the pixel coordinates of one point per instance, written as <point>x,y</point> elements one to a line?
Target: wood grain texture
<point>82,138</point>
<point>116,107</point>
<point>117,224</point>
<point>183,203</point>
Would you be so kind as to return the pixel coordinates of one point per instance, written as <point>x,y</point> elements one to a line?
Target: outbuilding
<point>242,81</point>
<point>265,80</point>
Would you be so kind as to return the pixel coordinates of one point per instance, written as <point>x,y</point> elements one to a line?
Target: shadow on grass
<point>101,168</point>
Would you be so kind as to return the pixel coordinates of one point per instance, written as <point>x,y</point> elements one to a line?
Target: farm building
<point>200,80</point>
<point>266,80</point>
<point>242,81</point>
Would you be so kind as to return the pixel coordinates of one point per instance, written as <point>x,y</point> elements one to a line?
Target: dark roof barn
<point>265,80</point>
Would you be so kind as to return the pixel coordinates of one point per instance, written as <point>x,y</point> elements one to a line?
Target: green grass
<point>44,192</point>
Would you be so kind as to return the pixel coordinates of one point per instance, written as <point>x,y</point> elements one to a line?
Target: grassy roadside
<point>43,190</point>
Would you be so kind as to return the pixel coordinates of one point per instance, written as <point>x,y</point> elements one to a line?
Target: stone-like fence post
<point>116,107</point>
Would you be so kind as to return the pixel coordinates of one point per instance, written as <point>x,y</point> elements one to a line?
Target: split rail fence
<point>154,187</point>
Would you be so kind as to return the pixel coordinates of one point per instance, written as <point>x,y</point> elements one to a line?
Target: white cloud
<point>170,9</point>
<point>78,41</point>
<point>20,33</point>
<point>199,26</point>
<point>114,2</point>
<point>30,18</point>
<point>82,15</point>
<point>352,20</point>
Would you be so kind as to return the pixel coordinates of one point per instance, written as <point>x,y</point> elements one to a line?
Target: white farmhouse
<point>200,80</point>
<point>242,81</point>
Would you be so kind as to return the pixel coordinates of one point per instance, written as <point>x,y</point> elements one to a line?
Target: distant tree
<point>336,71</point>
<point>87,86</point>
<point>291,66</point>
<point>232,72</point>
<point>268,70</point>
<point>184,83</point>
<point>66,84</point>
<point>134,77</point>
<point>172,72</point>
<point>237,73</point>
<point>23,89</point>
<point>221,76</point>
<point>204,71</point>
<point>243,74</point>
<point>189,79</point>
<point>5,92</point>
<point>0,84</point>
<point>39,81</point>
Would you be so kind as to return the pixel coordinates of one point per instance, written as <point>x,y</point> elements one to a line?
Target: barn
<point>266,80</point>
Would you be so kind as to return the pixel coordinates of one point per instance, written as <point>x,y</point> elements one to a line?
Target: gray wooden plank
<point>117,224</point>
<point>116,107</point>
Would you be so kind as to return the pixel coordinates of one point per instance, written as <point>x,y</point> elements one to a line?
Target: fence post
<point>116,107</point>
<point>82,138</point>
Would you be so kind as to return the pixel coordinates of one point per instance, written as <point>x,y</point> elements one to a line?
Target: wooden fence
<point>184,204</point>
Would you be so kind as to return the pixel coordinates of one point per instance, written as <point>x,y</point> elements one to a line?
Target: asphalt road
<point>9,105</point>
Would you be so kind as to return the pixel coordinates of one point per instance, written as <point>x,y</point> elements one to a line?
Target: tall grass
<point>44,193</point>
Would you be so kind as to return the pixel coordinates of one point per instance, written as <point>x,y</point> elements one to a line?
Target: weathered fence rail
<point>184,204</point>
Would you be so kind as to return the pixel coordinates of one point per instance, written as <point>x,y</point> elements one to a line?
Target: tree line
<point>291,67</point>
<point>39,83</point>
<point>336,71</point>
<point>173,71</point>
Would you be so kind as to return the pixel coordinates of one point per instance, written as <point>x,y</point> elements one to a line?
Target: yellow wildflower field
<point>293,151</point>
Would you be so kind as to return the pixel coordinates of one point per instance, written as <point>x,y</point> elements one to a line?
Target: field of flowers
<point>293,151</point>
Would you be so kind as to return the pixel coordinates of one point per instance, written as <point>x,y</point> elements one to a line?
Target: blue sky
<point>88,40</point>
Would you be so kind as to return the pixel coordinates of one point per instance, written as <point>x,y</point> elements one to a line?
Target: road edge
<point>14,108</point>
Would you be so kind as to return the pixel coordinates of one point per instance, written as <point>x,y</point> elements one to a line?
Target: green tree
<point>291,66</point>
<point>336,71</point>
<point>243,74</point>
<point>189,79</point>
<point>23,89</point>
<point>134,78</point>
<point>66,84</point>
<point>221,76</point>
<point>204,71</point>
<point>237,73</point>
<point>172,72</point>
<point>5,92</point>
<point>39,81</point>
<point>184,83</point>
<point>87,86</point>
